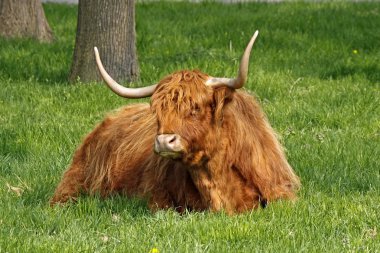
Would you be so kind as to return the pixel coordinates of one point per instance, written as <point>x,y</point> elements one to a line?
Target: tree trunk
<point>110,26</point>
<point>24,18</point>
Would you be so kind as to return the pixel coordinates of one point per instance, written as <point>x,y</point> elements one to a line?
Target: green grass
<point>321,97</point>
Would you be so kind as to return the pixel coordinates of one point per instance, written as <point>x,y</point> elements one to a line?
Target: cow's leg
<point>70,186</point>
<point>74,178</point>
<point>160,199</point>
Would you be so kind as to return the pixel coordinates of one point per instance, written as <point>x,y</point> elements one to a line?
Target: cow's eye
<point>195,111</point>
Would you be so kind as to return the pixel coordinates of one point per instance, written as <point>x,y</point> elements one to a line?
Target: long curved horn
<point>238,82</point>
<point>119,89</point>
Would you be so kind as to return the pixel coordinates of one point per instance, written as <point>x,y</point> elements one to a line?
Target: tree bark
<point>24,18</point>
<point>110,26</point>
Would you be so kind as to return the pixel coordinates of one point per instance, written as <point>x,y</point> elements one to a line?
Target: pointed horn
<point>239,81</point>
<point>119,89</point>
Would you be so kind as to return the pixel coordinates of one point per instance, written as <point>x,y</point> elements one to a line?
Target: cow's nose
<point>168,143</point>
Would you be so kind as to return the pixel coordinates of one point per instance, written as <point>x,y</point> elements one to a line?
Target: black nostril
<point>172,140</point>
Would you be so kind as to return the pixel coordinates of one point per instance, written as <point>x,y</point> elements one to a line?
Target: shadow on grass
<point>135,207</point>
<point>89,204</point>
<point>370,72</point>
<point>29,60</point>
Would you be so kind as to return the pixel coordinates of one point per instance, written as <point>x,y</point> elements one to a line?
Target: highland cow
<point>201,144</point>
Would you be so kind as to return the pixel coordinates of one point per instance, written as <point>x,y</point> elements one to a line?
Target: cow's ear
<point>221,97</point>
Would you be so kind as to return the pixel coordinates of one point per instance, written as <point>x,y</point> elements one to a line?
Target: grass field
<point>316,70</point>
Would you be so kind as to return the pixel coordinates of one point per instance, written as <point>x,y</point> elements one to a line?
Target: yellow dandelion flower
<point>154,250</point>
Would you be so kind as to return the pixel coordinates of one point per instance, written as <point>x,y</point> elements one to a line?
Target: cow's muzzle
<point>168,145</point>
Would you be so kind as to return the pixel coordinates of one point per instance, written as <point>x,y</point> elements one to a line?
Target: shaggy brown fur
<point>232,159</point>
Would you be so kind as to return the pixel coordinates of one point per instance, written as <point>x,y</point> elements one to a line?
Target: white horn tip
<point>256,33</point>
<point>96,50</point>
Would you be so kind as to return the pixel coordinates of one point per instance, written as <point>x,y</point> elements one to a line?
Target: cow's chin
<point>170,155</point>
<point>192,159</point>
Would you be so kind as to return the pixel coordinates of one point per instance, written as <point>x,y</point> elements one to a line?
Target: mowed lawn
<point>316,71</point>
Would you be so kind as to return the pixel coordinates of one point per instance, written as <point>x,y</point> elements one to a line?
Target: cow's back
<point>115,153</point>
